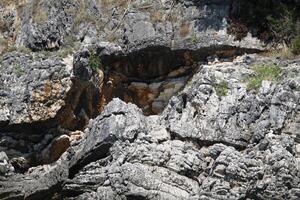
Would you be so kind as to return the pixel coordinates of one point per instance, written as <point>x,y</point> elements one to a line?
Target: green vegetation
<point>24,50</point>
<point>296,46</point>
<point>64,52</point>
<point>95,62</point>
<point>195,39</point>
<point>263,72</point>
<point>18,49</point>
<point>18,70</point>
<point>285,27</point>
<point>277,21</point>
<point>222,88</point>
<point>70,41</point>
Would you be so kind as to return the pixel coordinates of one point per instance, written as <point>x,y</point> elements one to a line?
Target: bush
<point>269,20</point>
<point>296,46</point>
<point>284,27</point>
<point>263,72</point>
<point>222,88</point>
<point>18,70</point>
<point>95,62</point>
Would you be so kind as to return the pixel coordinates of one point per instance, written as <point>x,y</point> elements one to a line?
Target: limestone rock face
<point>32,91</point>
<point>38,94</point>
<point>134,99</point>
<point>39,91</point>
<point>131,24</point>
<point>203,145</point>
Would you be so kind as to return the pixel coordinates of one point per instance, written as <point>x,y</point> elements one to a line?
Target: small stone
<point>298,150</point>
<point>56,148</point>
<point>5,166</point>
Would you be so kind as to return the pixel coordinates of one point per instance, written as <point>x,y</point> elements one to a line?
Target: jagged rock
<point>33,91</point>
<point>134,25</point>
<point>213,140</point>
<point>41,91</point>
<point>55,149</point>
<point>39,94</point>
<point>5,166</point>
<point>20,164</point>
<point>203,146</point>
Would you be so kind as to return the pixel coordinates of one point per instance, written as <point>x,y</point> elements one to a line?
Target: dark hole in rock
<point>135,197</point>
<point>151,76</point>
<point>98,153</point>
<point>147,78</point>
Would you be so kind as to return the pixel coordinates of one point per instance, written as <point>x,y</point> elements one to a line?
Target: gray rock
<point>133,25</point>
<point>237,144</point>
<point>5,166</point>
<point>38,91</point>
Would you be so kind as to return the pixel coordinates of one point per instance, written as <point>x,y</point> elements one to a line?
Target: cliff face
<point>131,99</point>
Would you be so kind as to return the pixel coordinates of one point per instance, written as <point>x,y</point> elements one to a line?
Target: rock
<point>39,90</point>
<point>66,136</point>
<point>39,95</point>
<point>20,164</point>
<point>124,154</point>
<point>133,25</point>
<point>298,150</point>
<point>55,149</point>
<point>5,166</point>
<point>76,135</point>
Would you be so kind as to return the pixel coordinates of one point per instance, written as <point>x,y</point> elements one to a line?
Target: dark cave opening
<point>147,78</point>
<point>151,76</point>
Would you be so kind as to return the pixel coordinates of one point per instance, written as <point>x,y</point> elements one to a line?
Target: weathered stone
<point>211,141</point>
<point>5,166</point>
<point>55,149</point>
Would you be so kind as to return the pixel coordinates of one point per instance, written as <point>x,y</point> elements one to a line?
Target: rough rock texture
<point>38,94</point>
<point>203,146</point>
<point>64,135</point>
<point>32,90</point>
<point>133,24</point>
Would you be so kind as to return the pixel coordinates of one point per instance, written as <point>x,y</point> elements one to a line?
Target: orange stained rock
<point>188,59</point>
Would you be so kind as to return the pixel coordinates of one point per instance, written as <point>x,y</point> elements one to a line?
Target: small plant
<point>222,88</point>
<point>95,62</point>
<point>70,40</point>
<point>296,46</point>
<point>195,39</point>
<point>270,72</point>
<point>24,50</point>
<point>11,49</point>
<point>63,53</point>
<point>18,70</point>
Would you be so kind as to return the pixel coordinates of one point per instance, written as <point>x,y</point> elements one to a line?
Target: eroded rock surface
<point>40,99</point>
<point>203,146</point>
<point>134,25</point>
<point>196,131</point>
